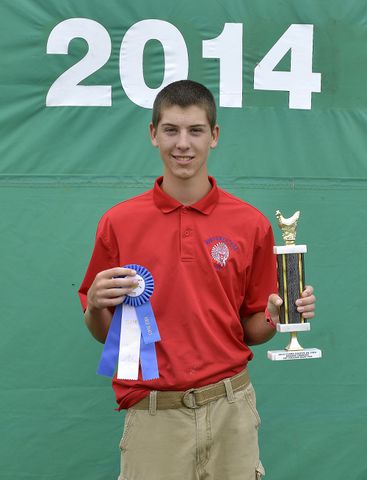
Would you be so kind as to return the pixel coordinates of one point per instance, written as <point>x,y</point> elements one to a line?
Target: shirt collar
<point>168,204</point>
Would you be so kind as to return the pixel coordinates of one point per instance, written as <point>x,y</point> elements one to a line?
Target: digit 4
<point>300,81</point>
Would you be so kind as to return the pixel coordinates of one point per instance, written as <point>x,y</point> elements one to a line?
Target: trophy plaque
<point>291,281</point>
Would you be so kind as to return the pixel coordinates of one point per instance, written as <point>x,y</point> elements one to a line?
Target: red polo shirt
<point>212,263</point>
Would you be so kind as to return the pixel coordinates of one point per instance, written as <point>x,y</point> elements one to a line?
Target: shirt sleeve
<point>262,278</point>
<point>105,256</point>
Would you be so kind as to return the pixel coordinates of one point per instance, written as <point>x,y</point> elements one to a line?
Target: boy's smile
<point>184,139</point>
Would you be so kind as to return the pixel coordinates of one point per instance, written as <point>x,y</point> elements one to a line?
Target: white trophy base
<point>305,354</point>
<point>293,327</point>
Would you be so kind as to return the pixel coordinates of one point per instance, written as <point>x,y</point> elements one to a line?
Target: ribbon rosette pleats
<point>132,334</point>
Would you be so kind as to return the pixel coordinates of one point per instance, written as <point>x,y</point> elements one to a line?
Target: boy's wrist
<point>269,320</point>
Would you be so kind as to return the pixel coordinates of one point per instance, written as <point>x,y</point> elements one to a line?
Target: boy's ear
<point>153,135</point>
<point>215,136</point>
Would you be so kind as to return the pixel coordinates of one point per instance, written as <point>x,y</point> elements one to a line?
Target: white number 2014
<point>300,81</point>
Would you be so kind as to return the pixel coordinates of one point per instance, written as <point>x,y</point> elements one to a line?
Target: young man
<point>211,258</point>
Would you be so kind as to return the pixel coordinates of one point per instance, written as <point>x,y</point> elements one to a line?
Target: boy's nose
<point>183,141</point>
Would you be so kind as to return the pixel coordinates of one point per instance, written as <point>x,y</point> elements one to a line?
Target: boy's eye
<point>196,130</point>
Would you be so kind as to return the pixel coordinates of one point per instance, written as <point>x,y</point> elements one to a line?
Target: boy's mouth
<point>182,158</point>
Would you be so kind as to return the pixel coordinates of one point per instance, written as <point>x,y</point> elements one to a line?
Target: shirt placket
<point>187,234</point>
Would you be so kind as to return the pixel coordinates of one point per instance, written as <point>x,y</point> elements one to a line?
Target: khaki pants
<point>217,441</point>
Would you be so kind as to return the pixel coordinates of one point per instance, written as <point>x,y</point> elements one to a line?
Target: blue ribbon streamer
<point>147,323</point>
<point>148,327</point>
<point>110,352</point>
<point>148,361</point>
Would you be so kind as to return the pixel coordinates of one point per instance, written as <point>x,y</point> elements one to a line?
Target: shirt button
<point>184,209</point>
<point>187,233</point>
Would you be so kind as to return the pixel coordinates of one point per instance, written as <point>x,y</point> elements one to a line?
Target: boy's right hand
<point>108,291</point>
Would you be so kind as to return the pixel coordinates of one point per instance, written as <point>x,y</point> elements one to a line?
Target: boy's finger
<point>307,291</point>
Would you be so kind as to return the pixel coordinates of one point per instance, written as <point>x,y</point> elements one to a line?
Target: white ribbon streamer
<point>128,363</point>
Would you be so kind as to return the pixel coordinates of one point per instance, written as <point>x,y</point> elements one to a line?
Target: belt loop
<point>153,402</point>
<point>229,391</point>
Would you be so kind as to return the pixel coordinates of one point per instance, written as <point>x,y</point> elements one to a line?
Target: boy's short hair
<point>185,93</point>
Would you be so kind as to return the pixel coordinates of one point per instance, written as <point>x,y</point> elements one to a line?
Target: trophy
<point>291,280</point>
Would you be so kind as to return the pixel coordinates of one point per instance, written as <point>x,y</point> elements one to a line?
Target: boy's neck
<point>186,191</point>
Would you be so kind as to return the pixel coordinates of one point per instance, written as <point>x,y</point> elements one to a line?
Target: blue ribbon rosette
<point>133,322</point>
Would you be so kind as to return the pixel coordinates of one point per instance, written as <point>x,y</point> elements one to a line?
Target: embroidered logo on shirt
<point>220,253</point>
<point>221,249</point>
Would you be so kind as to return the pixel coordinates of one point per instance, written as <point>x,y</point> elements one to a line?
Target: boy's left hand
<point>305,304</point>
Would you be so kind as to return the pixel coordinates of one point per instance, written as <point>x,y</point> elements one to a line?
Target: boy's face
<point>184,139</point>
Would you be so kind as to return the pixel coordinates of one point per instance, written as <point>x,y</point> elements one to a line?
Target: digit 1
<point>228,48</point>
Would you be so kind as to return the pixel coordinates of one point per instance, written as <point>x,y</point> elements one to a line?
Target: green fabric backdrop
<point>62,167</point>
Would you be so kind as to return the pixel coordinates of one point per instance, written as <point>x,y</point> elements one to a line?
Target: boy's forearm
<point>98,322</point>
<point>256,329</point>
